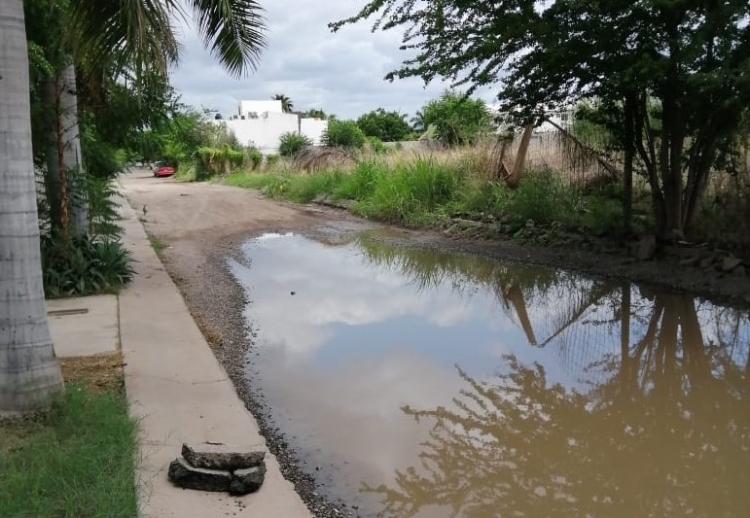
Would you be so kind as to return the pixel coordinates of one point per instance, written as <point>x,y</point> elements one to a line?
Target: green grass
<point>421,191</point>
<point>77,461</point>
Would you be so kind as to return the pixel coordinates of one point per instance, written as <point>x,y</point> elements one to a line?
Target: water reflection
<point>572,397</point>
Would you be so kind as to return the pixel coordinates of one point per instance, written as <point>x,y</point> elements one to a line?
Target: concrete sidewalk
<point>180,393</point>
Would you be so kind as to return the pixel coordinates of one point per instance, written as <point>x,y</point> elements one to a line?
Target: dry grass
<point>322,158</point>
<point>98,373</point>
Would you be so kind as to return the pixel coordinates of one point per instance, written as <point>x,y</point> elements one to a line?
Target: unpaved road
<point>201,225</point>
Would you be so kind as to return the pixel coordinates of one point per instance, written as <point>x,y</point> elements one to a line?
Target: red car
<point>162,169</point>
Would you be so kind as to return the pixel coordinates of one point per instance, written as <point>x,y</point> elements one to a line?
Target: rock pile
<point>217,467</point>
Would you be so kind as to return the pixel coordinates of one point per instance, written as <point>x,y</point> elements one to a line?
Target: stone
<point>184,475</point>
<point>221,457</point>
<point>730,263</point>
<point>646,248</point>
<point>248,480</point>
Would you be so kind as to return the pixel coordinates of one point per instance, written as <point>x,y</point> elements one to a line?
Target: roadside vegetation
<point>431,189</point>
<point>79,457</point>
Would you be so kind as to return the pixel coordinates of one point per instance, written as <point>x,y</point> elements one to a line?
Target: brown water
<point>422,384</point>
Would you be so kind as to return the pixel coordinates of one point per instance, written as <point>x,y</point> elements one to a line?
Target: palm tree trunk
<point>72,157</point>
<point>29,371</point>
<point>66,188</point>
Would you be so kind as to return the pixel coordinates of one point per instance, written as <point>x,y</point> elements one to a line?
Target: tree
<point>689,59</point>
<point>29,371</point>
<point>345,134</point>
<point>387,126</point>
<point>417,122</point>
<point>315,113</point>
<point>457,118</point>
<point>286,103</point>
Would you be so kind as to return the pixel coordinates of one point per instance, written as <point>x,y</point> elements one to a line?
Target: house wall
<point>314,129</point>
<point>259,107</point>
<point>265,132</point>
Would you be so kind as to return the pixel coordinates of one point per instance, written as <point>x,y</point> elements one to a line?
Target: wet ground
<point>418,383</point>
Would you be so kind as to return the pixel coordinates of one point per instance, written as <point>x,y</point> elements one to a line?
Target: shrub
<point>457,119</point>
<point>83,266</point>
<point>290,143</point>
<point>375,145</point>
<point>344,134</point>
<point>221,160</point>
<point>255,158</point>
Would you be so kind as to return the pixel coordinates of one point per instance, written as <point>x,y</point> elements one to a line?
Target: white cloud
<point>342,73</point>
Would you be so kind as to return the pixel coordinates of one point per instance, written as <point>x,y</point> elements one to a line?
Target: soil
<point>198,226</point>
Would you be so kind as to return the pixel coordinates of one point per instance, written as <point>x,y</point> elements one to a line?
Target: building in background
<point>261,124</point>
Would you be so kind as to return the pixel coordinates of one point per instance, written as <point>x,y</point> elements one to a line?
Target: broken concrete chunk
<point>221,456</point>
<point>184,475</point>
<point>248,480</point>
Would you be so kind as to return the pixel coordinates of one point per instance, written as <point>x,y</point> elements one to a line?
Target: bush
<point>103,213</point>
<point>83,266</point>
<point>290,143</point>
<point>375,145</point>
<point>457,119</point>
<point>221,160</point>
<point>255,158</point>
<point>344,134</point>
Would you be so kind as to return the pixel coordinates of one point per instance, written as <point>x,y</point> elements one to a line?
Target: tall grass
<point>77,461</point>
<point>423,189</point>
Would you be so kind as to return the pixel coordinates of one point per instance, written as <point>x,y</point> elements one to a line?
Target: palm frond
<point>233,30</point>
<point>138,33</point>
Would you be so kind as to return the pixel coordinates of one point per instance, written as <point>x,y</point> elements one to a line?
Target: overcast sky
<point>341,73</point>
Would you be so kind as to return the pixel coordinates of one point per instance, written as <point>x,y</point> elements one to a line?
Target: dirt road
<point>197,226</point>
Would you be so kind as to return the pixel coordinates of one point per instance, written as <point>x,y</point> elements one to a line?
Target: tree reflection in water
<point>664,432</point>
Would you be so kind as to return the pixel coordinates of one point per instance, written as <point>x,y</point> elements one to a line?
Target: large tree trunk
<point>29,371</point>
<point>66,189</point>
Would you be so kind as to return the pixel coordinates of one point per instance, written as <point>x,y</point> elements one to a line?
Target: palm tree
<point>137,32</point>
<point>418,122</point>
<point>29,372</point>
<point>286,103</point>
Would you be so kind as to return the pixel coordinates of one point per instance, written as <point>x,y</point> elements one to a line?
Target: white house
<point>262,123</point>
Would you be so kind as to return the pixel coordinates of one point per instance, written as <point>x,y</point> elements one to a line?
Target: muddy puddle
<point>420,384</point>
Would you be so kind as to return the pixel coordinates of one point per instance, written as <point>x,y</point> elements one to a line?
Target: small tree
<point>386,126</point>
<point>457,118</point>
<point>344,134</point>
<point>290,143</point>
